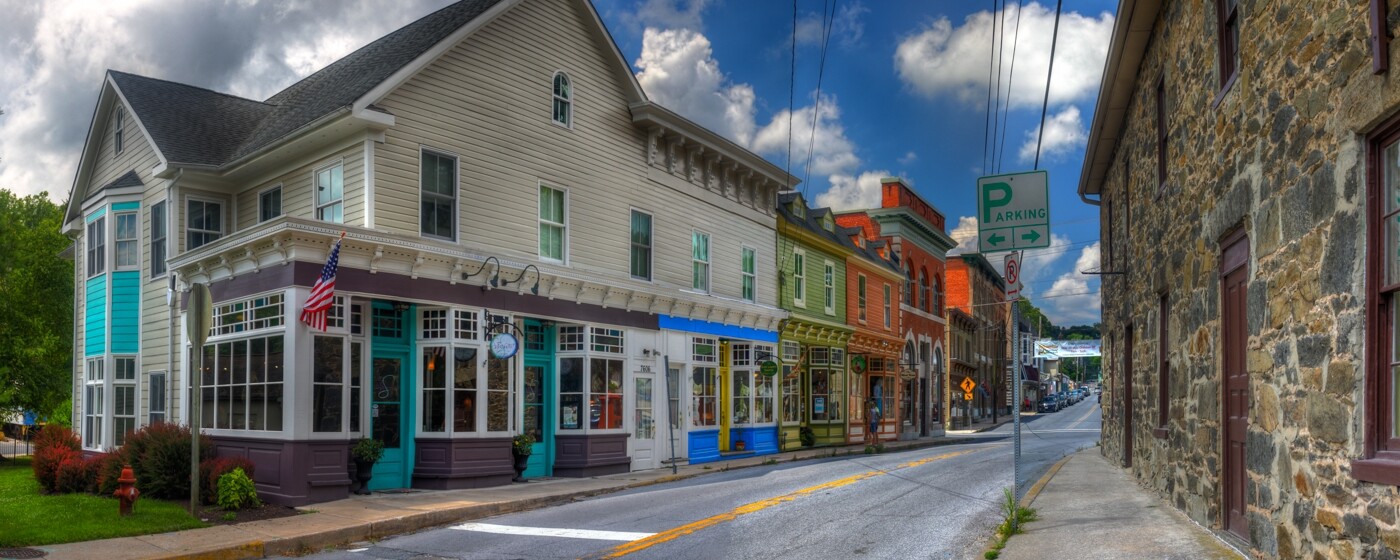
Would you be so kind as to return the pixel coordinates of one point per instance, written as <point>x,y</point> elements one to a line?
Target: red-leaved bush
<point>52,447</point>
<point>212,469</point>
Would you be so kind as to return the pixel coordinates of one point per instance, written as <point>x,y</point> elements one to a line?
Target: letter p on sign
<point>993,196</point>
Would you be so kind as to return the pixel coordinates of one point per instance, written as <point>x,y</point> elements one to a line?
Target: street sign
<point>1013,212</point>
<point>1013,275</point>
<point>967,396</point>
<point>968,385</point>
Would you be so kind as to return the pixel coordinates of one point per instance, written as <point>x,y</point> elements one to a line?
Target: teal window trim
<point>119,206</point>
<point>100,212</point>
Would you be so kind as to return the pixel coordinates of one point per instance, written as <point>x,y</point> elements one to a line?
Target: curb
<point>309,543</point>
<point>1039,485</point>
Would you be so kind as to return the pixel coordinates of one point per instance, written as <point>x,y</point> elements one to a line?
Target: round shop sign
<point>504,345</point>
<point>907,374</point>
<point>768,368</point>
<point>858,364</point>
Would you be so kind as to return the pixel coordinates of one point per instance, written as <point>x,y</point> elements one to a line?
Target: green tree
<point>36,305</point>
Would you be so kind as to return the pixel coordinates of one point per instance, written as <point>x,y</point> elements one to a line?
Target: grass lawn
<point>31,518</point>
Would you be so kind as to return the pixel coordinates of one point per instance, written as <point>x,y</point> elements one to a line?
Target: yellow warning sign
<point>967,396</point>
<point>967,385</point>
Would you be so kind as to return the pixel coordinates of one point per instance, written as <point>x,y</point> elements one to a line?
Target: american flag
<point>323,292</point>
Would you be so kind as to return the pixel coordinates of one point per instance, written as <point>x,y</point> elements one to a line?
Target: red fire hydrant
<point>126,490</point>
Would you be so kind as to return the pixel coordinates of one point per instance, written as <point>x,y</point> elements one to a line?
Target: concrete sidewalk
<point>361,518</point>
<point>1092,509</point>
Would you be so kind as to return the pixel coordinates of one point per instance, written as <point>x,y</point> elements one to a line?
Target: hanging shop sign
<point>907,374</point>
<point>858,364</point>
<point>504,345</point>
<point>768,368</point>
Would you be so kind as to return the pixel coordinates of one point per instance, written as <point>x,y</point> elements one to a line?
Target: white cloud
<point>833,153</point>
<point>667,14</point>
<point>1064,132</point>
<point>58,52</point>
<point>677,69</point>
<point>853,192</point>
<point>847,29</point>
<point>965,234</point>
<point>908,158</point>
<point>942,59</point>
<point>1074,297</point>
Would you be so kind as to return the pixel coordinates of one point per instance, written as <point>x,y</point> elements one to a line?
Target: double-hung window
<point>94,389</point>
<point>204,223</point>
<point>119,132</point>
<point>553,225</point>
<point>829,287</point>
<point>127,237</point>
<point>270,203</point>
<point>1227,14</point>
<point>1381,425</point>
<point>749,271</point>
<point>888,312</point>
<point>97,247</point>
<point>641,245</point>
<point>156,395</point>
<point>700,261</point>
<point>438,182</point>
<point>123,398</point>
<point>860,296</point>
<point>330,193</point>
<point>158,246</point>
<point>799,278</point>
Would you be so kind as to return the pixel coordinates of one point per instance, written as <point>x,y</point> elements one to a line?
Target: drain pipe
<point>171,295</point>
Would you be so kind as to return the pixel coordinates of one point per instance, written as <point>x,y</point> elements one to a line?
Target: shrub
<point>54,435</point>
<point>211,471</point>
<point>109,469</point>
<point>367,450</point>
<point>47,462</point>
<point>72,474</point>
<point>160,456</point>
<point>236,491</point>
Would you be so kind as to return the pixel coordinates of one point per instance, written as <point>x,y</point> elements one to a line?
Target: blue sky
<point>903,92</point>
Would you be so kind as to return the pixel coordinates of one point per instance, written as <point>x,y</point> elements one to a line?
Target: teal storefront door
<point>391,410</point>
<point>538,396</point>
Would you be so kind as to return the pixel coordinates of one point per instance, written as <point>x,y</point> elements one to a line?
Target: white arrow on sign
<point>1013,212</point>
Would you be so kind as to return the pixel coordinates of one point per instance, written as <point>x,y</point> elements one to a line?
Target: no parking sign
<point>1013,275</point>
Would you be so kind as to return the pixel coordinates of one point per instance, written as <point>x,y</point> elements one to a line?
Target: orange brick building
<point>978,338</point>
<point>913,231</point>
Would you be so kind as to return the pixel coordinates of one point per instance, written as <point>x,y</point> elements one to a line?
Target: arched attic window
<point>563,100</point>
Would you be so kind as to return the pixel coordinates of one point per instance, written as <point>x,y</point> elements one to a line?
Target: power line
<point>1049,73</point>
<point>1010,80</point>
<point>987,122</point>
<point>1000,54</point>
<point>827,20</point>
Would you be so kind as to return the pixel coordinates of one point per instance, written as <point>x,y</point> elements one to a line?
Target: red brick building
<point>914,232</point>
<point>976,302</point>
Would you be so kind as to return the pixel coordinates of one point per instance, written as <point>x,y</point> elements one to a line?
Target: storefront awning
<point>1030,374</point>
<point>716,329</point>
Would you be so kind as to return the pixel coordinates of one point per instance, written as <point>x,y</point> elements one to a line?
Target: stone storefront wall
<point>1282,155</point>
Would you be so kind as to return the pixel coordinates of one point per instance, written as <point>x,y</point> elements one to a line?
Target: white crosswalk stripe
<point>552,532</point>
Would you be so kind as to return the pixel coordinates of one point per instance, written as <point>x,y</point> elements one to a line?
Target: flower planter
<point>521,463</point>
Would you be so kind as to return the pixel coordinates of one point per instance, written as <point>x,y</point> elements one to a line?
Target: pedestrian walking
<point>872,436</point>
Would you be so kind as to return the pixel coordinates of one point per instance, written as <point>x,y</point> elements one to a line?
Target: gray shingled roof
<point>842,235</point>
<point>128,179</point>
<point>193,125</point>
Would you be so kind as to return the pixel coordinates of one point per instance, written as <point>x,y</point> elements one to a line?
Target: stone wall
<point>1282,155</point>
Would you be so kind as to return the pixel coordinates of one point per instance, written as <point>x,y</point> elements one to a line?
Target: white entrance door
<point>644,425</point>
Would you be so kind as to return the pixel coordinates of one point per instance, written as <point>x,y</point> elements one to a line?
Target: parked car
<point>1049,403</point>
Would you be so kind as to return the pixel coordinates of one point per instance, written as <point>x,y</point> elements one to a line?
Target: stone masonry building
<point>1244,156</point>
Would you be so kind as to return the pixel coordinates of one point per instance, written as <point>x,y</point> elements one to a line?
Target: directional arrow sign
<point>1013,212</point>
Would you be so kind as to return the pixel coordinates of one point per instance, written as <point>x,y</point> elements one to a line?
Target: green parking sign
<point>1013,212</point>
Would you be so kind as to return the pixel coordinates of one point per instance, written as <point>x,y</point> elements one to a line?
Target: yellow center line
<point>1084,417</point>
<point>689,528</point>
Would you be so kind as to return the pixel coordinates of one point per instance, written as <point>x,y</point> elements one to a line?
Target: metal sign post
<point>199,317</point>
<point>1016,412</point>
<point>671,415</point>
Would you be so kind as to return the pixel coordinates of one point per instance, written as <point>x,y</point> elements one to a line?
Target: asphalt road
<point>939,502</point>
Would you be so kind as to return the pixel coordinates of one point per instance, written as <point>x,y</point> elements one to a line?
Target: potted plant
<point>520,448</point>
<point>365,452</point>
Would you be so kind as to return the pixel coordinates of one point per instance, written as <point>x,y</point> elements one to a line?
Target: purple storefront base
<point>591,455</point>
<point>448,464</point>
<point>293,473</point>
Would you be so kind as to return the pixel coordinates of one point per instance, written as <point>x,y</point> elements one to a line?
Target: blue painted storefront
<point>704,446</point>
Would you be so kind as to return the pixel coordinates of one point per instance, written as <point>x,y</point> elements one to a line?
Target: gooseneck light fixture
<point>495,273</point>
<point>535,289</point>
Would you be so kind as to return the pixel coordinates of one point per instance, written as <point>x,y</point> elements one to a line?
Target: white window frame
<point>541,223</point>
<point>650,246</point>
<point>156,414</point>
<point>568,101</point>
<point>134,241</point>
<point>96,253</point>
<point>223,219</point>
<point>119,131</point>
<point>288,418</point>
<point>261,209</point>
<point>116,383</point>
<point>888,303</point>
<point>799,278</point>
<point>453,339</point>
<point>595,347</point>
<point>748,366</point>
<point>316,204</point>
<point>94,424</point>
<point>456,191</point>
<point>861,302</point>
<point>829,287</point>
<point>695,235</point>
<point>163,242</point>
<point>748,255</point>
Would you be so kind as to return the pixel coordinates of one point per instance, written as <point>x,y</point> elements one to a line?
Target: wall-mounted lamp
<point>400,307</point>
<point>535,289</point>
<point>495,273</point>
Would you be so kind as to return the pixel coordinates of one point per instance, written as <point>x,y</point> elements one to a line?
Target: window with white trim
<point>94,389</point>
<point>330,193</point>
<point>250,314</point>
<point>591,384</point>
<point>829,287</point>
<point>826,366</point>
<point>123,398</point>
<point>158,239</point>
<point>799,278</point>
<point>700,261</point>
<point>438,190</point>
<point>563,100</point>
<point>155,392</point>
<point>704,396</point>
<point>888,312</point>
<point>465,390</point>
<point>119,131</point>
<point>328,383</point>
<point>270,203</point>
<point>243,384</point>
<point>860,296</point>
<point>751,391</point>
<point>127,236</point>
<point>204,223</point>
<point>641,245</point>
<point>97,247</point>
<point>553,224</point>
<point>748,268</point>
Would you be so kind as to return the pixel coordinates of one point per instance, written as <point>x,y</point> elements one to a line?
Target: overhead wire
<point>827,19</point>
<point>1049,73</point>
<point>987,122</point>
<point>1010,83</point>
<point>1000,46</point>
